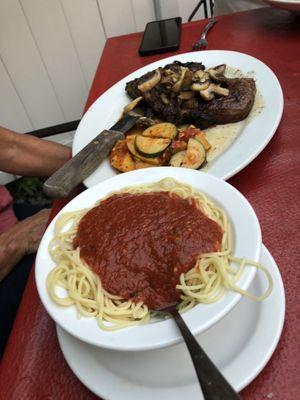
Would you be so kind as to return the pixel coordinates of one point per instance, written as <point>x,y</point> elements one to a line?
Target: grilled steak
<point>172,106</point>
<point>223,110</point>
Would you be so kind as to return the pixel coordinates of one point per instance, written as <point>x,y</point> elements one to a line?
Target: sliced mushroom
<point>164,98</point>
<point>200,76</point>
<point>177,86</point>
<point>209,93</point>
<point>217,73</point>
<point>168,72</point>
<point>198,86</point>
<point>167,81</point>
<point>189,94</point>
<point>221,91</point>
<point>187,80</point>
<point>132,105</point>
<point>220,68</point>
<point>151,82</point>
<point>144,121</point>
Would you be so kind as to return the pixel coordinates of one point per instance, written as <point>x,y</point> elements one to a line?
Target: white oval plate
<point>235,344</point>
<point>291,5</point>
<point>257,133</point>
<point>246,239</point>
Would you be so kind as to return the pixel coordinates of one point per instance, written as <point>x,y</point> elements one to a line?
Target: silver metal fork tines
<point>202,42</point>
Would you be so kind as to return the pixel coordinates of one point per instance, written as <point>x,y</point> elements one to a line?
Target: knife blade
<point>88,159</point>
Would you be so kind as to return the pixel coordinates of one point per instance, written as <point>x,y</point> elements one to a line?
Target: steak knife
<point>88,159</point>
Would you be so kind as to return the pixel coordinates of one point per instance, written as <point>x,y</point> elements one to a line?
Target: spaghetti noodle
<point>212,274</point>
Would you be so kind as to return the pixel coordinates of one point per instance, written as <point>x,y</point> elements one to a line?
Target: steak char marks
<point>173,106</point>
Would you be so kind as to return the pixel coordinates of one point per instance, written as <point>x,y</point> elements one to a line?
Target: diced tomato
<point>188,133</point>
<point>178,145</point>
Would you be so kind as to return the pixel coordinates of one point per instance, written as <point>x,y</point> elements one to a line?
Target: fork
<point>202,42</point>
<point>213,384</point>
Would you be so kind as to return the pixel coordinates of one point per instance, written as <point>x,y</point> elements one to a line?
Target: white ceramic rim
<point>248,368</point>
<point>285,2</point>
<point>247,242</point>
<point>105,111</point>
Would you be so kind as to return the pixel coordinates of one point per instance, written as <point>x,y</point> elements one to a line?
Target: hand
<point>31,230</point>
<point>23,238</point>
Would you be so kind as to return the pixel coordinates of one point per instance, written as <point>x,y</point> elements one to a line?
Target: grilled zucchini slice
<point>177,159</point>
<point>141,164</point>
<point>120,158</point>
<point>151,147</point>
<point>130,141</point>
<point>202,139</point>
<point>163,130</point>
<point>195,155</point>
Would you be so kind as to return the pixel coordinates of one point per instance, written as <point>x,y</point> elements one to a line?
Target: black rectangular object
<point>161,36</point>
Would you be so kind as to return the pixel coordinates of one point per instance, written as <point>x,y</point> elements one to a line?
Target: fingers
<point>23,238</point>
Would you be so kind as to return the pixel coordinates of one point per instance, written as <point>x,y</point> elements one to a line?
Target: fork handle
<point>213,384</point>
<point>207,27</point>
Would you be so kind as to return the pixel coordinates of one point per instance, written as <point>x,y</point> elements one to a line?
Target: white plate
<point>246,242</point>
<point>240,345</point>
<point>255,136</point>
<point>291,5</point>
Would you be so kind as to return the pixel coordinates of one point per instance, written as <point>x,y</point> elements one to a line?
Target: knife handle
<point>82,165</point>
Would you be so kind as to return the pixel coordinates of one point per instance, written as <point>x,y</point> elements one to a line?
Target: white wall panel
<point>88,35</point>
<point>143,12</point>
<point>48,24</point>
<point>186,8</point>
<point>12,113</point>
<point>117,17</point>
<point>179,8</point>
<point>167,9</point>
<point>126,16</point>
<point>49,51</point>
<point>25,67</point>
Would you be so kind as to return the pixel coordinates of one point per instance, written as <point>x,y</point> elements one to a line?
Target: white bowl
<point>290,5</point>
<point>246,242</point>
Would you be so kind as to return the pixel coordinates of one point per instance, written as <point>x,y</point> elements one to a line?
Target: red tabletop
<point>33,366</point>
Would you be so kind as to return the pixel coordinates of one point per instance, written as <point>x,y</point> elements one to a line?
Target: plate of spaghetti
<point>133,244</point>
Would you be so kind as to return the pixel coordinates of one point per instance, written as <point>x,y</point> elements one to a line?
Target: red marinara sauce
<point>139,244</point>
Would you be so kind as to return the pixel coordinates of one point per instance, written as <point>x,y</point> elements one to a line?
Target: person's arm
<point>23,238</point>
<point>30,156</point>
